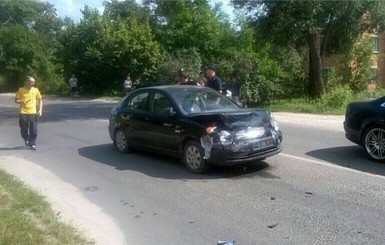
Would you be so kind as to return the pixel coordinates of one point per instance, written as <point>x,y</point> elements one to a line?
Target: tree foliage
<point>321,26</point>
<point>28,31</point>
<point>102,50</point>
<point>265,52</point>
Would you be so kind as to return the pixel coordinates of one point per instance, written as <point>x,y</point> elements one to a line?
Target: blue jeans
<point>28,127</point>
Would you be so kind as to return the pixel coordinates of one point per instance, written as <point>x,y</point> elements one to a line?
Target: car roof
<point>175,88</point>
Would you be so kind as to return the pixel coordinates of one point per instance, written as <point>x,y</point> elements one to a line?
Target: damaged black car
<point>196,124</point>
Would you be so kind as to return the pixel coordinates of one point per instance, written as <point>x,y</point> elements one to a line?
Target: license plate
<point>263,144</point>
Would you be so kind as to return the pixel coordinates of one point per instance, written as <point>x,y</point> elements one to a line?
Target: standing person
<point>28,96</point>
<point>201,81</point>
<point>73,82</point>
<point>213,81</point>
<point>127,85</point>
<point>235,90</point>
<point>182,78</point>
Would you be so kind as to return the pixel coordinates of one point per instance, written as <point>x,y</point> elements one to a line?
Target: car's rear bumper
<point>352,135</point>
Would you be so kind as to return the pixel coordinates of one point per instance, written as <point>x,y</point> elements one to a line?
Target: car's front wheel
<point>121,141</point>
<point>193,158</point>
<point>374,143</point>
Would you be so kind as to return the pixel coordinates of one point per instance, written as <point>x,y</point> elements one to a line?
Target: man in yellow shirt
<point>28,96</point>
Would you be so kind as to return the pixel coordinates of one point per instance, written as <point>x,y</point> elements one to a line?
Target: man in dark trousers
<point>213,81</point>
<point>28,96</point>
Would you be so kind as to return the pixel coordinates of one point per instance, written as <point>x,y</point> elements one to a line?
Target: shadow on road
<point>160,166</point>
<point>352,157</point>
<point>14,148</point>
<point>63,109</point>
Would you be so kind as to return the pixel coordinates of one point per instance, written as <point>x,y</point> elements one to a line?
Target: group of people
<point>209,72</point>
<point>28,97</point>
<point>213,81</point>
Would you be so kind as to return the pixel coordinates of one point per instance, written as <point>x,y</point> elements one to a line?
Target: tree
<point>126,9</point>
<point>188,25</point>
<point>28,34</point>
<point>101,50</point>
<point>324,27</point>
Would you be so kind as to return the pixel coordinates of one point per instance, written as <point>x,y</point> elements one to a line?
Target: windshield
<point>195,101</point>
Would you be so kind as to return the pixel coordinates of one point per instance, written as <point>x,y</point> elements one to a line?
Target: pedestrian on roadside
<point>27,97</point>
<point>182,78</point>
<point>213,81</point>
<point>127,84</point>
<point>235,90</point>
<point>73,82</point>
<point>201,81</point>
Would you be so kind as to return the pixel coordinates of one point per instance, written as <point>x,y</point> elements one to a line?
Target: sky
<point>71,8</point>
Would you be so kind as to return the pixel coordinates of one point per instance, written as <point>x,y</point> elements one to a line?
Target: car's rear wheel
<point>193,158</point>
<point>121,141</point>
<point>374,143</point>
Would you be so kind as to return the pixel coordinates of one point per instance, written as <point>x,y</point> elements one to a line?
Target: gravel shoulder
<point>329,121</point>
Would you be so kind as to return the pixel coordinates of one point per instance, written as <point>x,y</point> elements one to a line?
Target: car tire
<point>374,143</point>
<point>121,141</point>
<point>193,158</point>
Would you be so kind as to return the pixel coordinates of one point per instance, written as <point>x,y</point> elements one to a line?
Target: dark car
<point>196,124</point>
<point>365,125</point>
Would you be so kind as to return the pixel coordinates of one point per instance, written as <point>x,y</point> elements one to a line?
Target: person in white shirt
<point>73,82</point>
<point>127,85</point>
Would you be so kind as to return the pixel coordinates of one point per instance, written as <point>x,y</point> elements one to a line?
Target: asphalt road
<point>320,190</point>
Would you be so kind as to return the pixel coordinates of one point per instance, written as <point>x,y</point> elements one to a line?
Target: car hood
<point>233,120</point>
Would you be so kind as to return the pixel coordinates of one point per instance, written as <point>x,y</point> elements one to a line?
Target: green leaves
<point>102,50</point>
<point>324,27</point>
<point>28,33</point>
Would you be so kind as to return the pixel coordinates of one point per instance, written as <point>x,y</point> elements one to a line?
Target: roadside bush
<point>337,98</point>
<point>376,93</point>
<point>56,87</point>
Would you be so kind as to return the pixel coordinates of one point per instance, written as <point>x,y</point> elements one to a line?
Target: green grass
<point>330,104</point>
<point>26,218</point>
<point>302,106</point>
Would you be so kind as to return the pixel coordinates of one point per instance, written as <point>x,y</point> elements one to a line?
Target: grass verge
<point>27,218</point>
<point>303,106</point>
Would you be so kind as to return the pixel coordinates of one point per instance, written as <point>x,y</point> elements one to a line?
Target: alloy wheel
<point>375,143</point>
<point>121,141</point>
<point>193,157</point>
<point>193,154</point>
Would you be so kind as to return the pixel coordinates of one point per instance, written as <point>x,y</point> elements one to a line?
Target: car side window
<point>160,104</point>
<point>138,102</point>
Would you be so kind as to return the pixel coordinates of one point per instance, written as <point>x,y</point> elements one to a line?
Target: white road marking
<point>330,165</point>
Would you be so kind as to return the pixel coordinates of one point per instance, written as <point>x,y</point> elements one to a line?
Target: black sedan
<point>365,125</point>
<point>196,124</point>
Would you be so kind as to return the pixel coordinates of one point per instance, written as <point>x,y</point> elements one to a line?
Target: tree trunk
<point>315,66</point>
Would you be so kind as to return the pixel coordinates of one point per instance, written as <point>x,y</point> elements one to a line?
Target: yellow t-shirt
<point>31,96</point>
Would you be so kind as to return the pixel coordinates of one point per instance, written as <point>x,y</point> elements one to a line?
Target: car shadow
<point>352,157</point>
<point>161,166</point>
